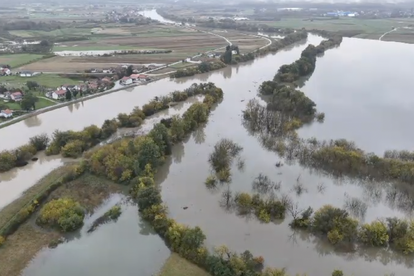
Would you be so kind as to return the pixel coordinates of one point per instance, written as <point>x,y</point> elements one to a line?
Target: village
<point>33,96</point>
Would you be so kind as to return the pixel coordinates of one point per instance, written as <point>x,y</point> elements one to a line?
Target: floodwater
<point>14,182</point>
<point>155,16</point>
<point>364,89</point>
<point>128,245</point>
<point>184,184</point>
<point>182,178</point>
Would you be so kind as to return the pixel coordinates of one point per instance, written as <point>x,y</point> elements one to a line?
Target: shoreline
<point>59,105</point>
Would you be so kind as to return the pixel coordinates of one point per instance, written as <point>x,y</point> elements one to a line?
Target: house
<point>106,80</point>
<point>93,86</point>
<point>16,96</point>
<point>125,81</point>
<point>26,74</point>
<point>143,77</point>
<point>6,113</point>
<point>5,72</point>
<point>59,94</point>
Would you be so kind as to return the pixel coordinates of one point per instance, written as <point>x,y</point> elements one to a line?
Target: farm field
<point>47,80</point>
<point>246,43</point>
<point>16,60</point>
<point>183,43</point>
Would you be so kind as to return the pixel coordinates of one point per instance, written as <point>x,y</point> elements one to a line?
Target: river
<point>363,98</point>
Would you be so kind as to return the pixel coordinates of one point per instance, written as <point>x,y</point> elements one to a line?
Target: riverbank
<point>60,105</point>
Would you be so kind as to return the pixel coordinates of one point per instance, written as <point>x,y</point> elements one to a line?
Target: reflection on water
<point>33,121</point>
<point>128,246</point>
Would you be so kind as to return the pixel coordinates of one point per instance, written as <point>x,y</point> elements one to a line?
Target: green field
<point>47,80</point>
<point>16,60</point>
<point>41,103</point>
<point>177,266</point>
<point>55,33</point>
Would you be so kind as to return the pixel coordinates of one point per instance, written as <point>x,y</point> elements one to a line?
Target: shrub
<point>374,234</point>
<point>2,240</point>
<point>211,181</point>
<point>114,212</point>
<point>73,149</point>
<point>109,127</point>
<point>65,214</point>
<point>7,161</point>
<point>337,273</point>
<point>40,142</point>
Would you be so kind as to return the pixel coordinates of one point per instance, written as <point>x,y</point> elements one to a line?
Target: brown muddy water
<point>127,247</point>
<point>182,178</point>
<point>14,182</point>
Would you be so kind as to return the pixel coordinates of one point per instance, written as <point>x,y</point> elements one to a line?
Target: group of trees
<point>221,159</point>
<point>19,157</point>
<point>338,226</point>
<point>135,161</point>
<point>306,64</point>
<point>203,67</point>
<point>126,159</point>
<point>64,214</point>
<point>74,143</point>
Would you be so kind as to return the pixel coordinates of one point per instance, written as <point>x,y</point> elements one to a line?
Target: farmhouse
<point>6,113</point>
<point>59,94</point>
<point>126,81</point>
<point>5,72</point>
<point>16,96</point>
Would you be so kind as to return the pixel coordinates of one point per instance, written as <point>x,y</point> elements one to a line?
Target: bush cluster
<point>73,172</point>
<point>305,65</point>
<point>126,159</point>
<point>64,214</point>
<point>336,224</point>
<point>203,67</point>
<point>221,159</point>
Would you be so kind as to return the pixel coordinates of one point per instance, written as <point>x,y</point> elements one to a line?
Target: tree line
<point>203,67</point>
<point>74,143</point>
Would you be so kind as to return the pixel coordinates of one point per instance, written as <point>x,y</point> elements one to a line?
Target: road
<point>228,41</point>
<point>384,34</point>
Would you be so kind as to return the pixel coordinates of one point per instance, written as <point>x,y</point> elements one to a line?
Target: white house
<point>26,74</point>
<point>6,113</point>
<point>5,72</point>
<point>126,81</point>
<point>59,94</point>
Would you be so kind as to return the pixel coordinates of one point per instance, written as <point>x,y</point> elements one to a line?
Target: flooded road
<point>128,246</point>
